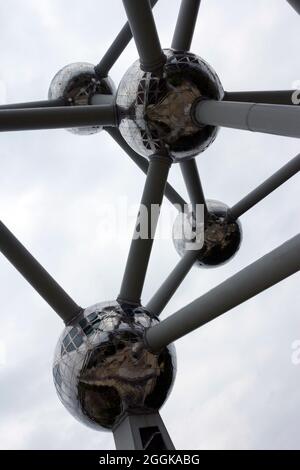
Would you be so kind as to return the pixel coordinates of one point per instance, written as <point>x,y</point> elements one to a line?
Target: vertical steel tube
<point>37,276</point>
<point>140,18</point>
<point>36,104</point>
<point>141,245</point>
<point>267,118</point>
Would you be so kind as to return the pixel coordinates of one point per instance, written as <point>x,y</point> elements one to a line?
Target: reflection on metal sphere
<point>221,237</point>
<point>158,108</point>
<point>102,369</point>
<point>78,83</point>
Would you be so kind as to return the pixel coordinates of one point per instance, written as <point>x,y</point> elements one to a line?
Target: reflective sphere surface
<point>101,368</point>
<point>219,241</point>
<point>78,83</point>
<point>158,108</point>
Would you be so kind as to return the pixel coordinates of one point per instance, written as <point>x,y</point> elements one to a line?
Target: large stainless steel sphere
<point>78,83</point>
<point>218,240</point>
<point>102,370</point>
<point>158,108</point>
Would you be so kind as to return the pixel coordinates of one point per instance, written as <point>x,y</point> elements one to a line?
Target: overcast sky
<point>236,385</point>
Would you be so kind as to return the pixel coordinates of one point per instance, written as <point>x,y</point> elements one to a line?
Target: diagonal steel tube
<point>100,99</point>
<point>142,432</point>
<point>116,49</point>
<point>35,104</point>
<point>185,25</point>
<point>288,97</point>
<point>143,164</point>
<point>140,18</point>
<point>266,118</point>
<point>37,276</point>
<point>267,187</point>
<point>255,278</point>
<point>192,180</point>
<point>164,294</point>
<point>57,118</point>
<point>141,245</point>
<point>295,4</point>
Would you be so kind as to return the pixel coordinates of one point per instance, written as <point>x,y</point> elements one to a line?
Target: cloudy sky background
<point>236,385</point>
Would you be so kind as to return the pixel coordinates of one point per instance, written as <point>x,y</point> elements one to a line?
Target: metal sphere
<point>102,370</point>
<point>78,83</point>
<point>218,241</point>
<point>157,109</point>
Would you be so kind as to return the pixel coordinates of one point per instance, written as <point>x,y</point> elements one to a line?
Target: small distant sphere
<point>157,109</point>
<point>78,83</point>
<point>218,241</point>
<point>102,370</point>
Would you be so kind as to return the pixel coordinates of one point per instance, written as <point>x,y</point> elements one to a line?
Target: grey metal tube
<point>103,100</point>
<point>164,294</point>
<point>272,183</point>
<point>57,118</point>
<point>185,25</point>
<point>143,28</point>
<point>116,49</point>
<point>267,118</point>
<point>295,4</point>
<point>191,177</point>
<point>143,164</point>
<point>140,250</point>
<point>255,278</point>
<point>35,104</point>
<point>37,276</point>
<point>132,428</point>
<point>286,97</point>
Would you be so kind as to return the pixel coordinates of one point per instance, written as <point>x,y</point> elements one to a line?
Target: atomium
<point>217,240</point>
<point>158,106</point>
<point>102,370</point>
<point>78,83</point>
<point>114,364</point>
